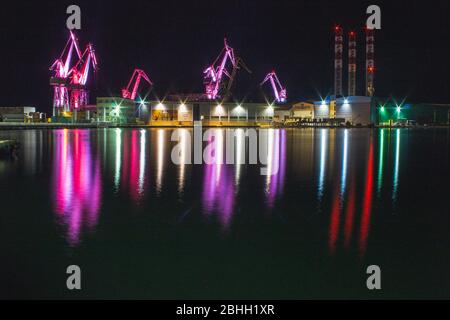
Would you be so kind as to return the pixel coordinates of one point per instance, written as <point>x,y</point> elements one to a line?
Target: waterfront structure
<point>115,110</point>
<point>322,109</point>
<point>302,110</point>
<point>389,111</point>
<point>176,113</point>
<point>210,113</point>
<point>282,113</point>
<point>355,110</point>
<point>17,114</point>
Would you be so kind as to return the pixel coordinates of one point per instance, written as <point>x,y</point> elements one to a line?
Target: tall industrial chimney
<point>338,49</point>
<point>352,63</point>
<point>370,61</point>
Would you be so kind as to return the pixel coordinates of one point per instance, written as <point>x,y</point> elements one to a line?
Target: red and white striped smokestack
<point>370,61</point>
<point>338,49</point>
<point>352,63</point>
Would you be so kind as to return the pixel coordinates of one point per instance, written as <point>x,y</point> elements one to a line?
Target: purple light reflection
<point>219,183</point>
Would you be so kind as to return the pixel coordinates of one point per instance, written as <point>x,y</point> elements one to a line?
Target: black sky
<point>174,40</point>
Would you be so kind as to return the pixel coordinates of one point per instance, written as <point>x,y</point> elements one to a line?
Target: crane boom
<point>239,63</point>
<point>213,74</point>
<point>61,68</point>
<point>80,71</point>
<point>278,90</point>
<point>138,74</point>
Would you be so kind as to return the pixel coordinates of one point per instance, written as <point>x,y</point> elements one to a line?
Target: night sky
<point>173,41</point>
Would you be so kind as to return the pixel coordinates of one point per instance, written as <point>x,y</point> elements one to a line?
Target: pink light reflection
<point>76,183</point>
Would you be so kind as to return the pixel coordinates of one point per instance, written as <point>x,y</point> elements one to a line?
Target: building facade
<point>302,110</point>
<point>355,110</point>
<point>390,112</point>
<point>17,114</point>
<point>209,112</point>
<point>115,110</point>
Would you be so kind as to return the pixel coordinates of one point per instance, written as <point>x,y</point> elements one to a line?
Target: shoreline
<point>54,126</point>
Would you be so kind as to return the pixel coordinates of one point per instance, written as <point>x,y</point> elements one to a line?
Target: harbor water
<point>112,202</point>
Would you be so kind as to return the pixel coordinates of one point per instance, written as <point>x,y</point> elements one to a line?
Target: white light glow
<point>239,110</point>
<point>182,107</point>
<point>160,106</point>
<point>219,110</point>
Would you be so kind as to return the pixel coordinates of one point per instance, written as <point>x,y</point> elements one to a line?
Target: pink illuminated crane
<point>278,90</point>
<point>70,76</point>
<point>79,75</point>
<point>61,68</point>
<point>214,73</point>
<point>138,74</point>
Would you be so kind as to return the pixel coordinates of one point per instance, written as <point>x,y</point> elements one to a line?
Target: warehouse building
<point>355,110</point>
<point>17,114</point>
<point>302,110</point>
<point>176,113</point>
<point>115,110</point>
<point>389,111</point>
<point>209,112</point>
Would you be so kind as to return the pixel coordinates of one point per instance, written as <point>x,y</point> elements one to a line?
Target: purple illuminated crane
<point>79,74</point>
<point>214,73</point>
<point>61,68</point>
<point>138,74</point>
<point>278,90</point>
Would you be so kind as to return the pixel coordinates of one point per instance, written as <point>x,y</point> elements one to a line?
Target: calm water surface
<point>139,226</point>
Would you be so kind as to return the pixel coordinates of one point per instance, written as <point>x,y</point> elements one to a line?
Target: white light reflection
<point>184,145</point>
<point>270,146</point>
<point>118,158</point>
<point>397,164</point>
<point>160,161</point>
<point>323,157</point>
<point>218,149</point>
<point>240,153</point>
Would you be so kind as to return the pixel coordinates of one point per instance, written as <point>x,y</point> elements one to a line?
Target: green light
<point>399,109</point>
<point>382,109</point>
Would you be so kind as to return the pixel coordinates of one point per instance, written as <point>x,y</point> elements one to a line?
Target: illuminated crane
<point>214,73</point>
<point>78,78</point>
<point>138,74</point>
<point>278,90</point>
<point>61,68</point>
